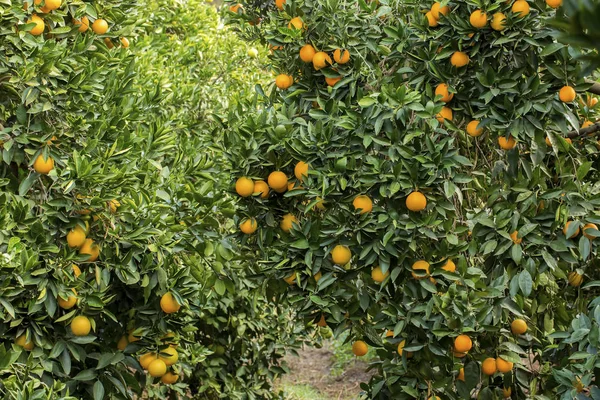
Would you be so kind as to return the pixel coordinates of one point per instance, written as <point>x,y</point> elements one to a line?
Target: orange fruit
<point>90,248</point>
<point>478,19</point>
<point>473,129</point>
<point>122,343</point>
<point>462,344</point>
<point>146,359</point>
<point>244,186</point>
<point>24,343</point>
<point>459,59</point>
<point>442,90</point>
<point>69,302</point>
<point>283,81</point>
<point>279,4</point>
<point>431,20</point>
<point>445,114</point>
<point>169,356</point>
<point>507,144</point>
<point>363,203</point>
<point>234,8</point>
<point>83,24</point>
<point>307,52</point>
<point>301,170</point>
<point>449,266</point>
<point>488,366</point>
<point>565,229</point>
<point>575,279</point>
<point>461,375</point>
<point>124,42</point>
<point>290,279</point>
<point>81,326</point>
<point>169,304</point>
<point>506,392</point>
<point>503,366</point>
<point>591,102</point>
<point>296,23</point>
<point>420,265</point>
<point>157,368</point>
<point>38,29</point>
<point>318,276</point>
<point>43,166</point>
<point>589,226</point>
<point>341,56</point>
<point>518,326</point>
<point>278,181</point>
<point>321,60</point>
<point>332,81</point>
<point>359,348</point>
<point>248,226</point>
<point>567,94</point>
<point>100,26</point>
<point>76,237</point>
<point>520,7</point>
<point>389,333</point>
<point>378,275</point>
<point>554,3</point>
<point>287,222</point>
<point>437,10</point>
<point>586,124</point>
<point>341,255</point>
<point>170,378</point>
<point>113,205</point>
<point>401,349</point>
<point>262,188</point>
<point>416,201</point>
<point>76,270</point>
<point>515,237</point>
<point>498,21</point>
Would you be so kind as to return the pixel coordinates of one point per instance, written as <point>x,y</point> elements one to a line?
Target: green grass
<point>301,392</point>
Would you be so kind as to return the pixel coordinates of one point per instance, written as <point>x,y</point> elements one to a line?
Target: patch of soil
<point>313,367</point>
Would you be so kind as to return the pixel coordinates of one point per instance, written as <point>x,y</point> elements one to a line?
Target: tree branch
<point>595,89</point>
<point>595,129</point>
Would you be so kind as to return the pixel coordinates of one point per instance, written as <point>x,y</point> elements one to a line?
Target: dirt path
<point>313,368</point>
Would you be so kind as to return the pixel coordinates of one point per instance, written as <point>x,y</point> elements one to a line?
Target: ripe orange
<point>518,326</point>
<point>287,222</point>
<point>442,90</point>
<point>81,326</point>
<point>279,4</point>
<point>586,124</point>
<point>554,3</point>
<point>566,228</point>
<point>459,354</point>
<point>262,188</point>
<point>332,81</point>
<point>38,29</point>
<point>503,366</point>
<point>296,23</point>
<point>488,367</point>
<point>589,226</point>
<point>363,203</point>
<point>157,368</point>
<point>420,265</point>
<point>113,205</point>
<point>359,348</point>
<point>591,102</point>
<point>459,59</point>
<point>76,270</point>
<point>507,144</point>
<point>575,279</point>
<point>124,42</point>
<point>90,248</point>
<point>321,60</point>
<point>43,166</point>
<point>290,279</point>
<point>437,9</point>
<point>24,343</point>
<point>108,42</point>
<point>301,170</point>
<point>431,20</point>
<point>122,343</point>
<point>283,81</point>
<point>244,186</point>
<point>567,94</point>
<point>50,5</point>
<point>169,304</point>
<point>100,26</point>
<point>318,276</point>
<point>307,52</point>
<point>445,114</point>
<point>278,181</point>
<point>169,356</point>
<point>341,255</point>
<point>416,201</point>
<point>341,56</point>
<point>169,378</point>
<point>322,322</point>
<point>146,359</point>
<point>449,266</point>
<point>83,24</point>
<point>234,8</point>
<point>69,302</point>
<point>506,392</point>
<point>401,349</point>
<point>473,129</point>
<point>248,226</point>
<point>478,19</point>
<point>76,237</point>
<point>389,333</point>
<point>462,344</point>
<point>498,21</point>
<point>515,237</point>
<point>520,7</point>
<point>378,276</point>
<point>461,375</point>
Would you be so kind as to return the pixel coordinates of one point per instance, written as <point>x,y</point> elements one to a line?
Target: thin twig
<point>595,89</point>
<point>595,129</point>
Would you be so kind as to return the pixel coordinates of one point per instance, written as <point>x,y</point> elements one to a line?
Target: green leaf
<point>525,283</point>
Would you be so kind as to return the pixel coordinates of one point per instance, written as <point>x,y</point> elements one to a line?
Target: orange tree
<point>116,280</point>
<point>423,175</point>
